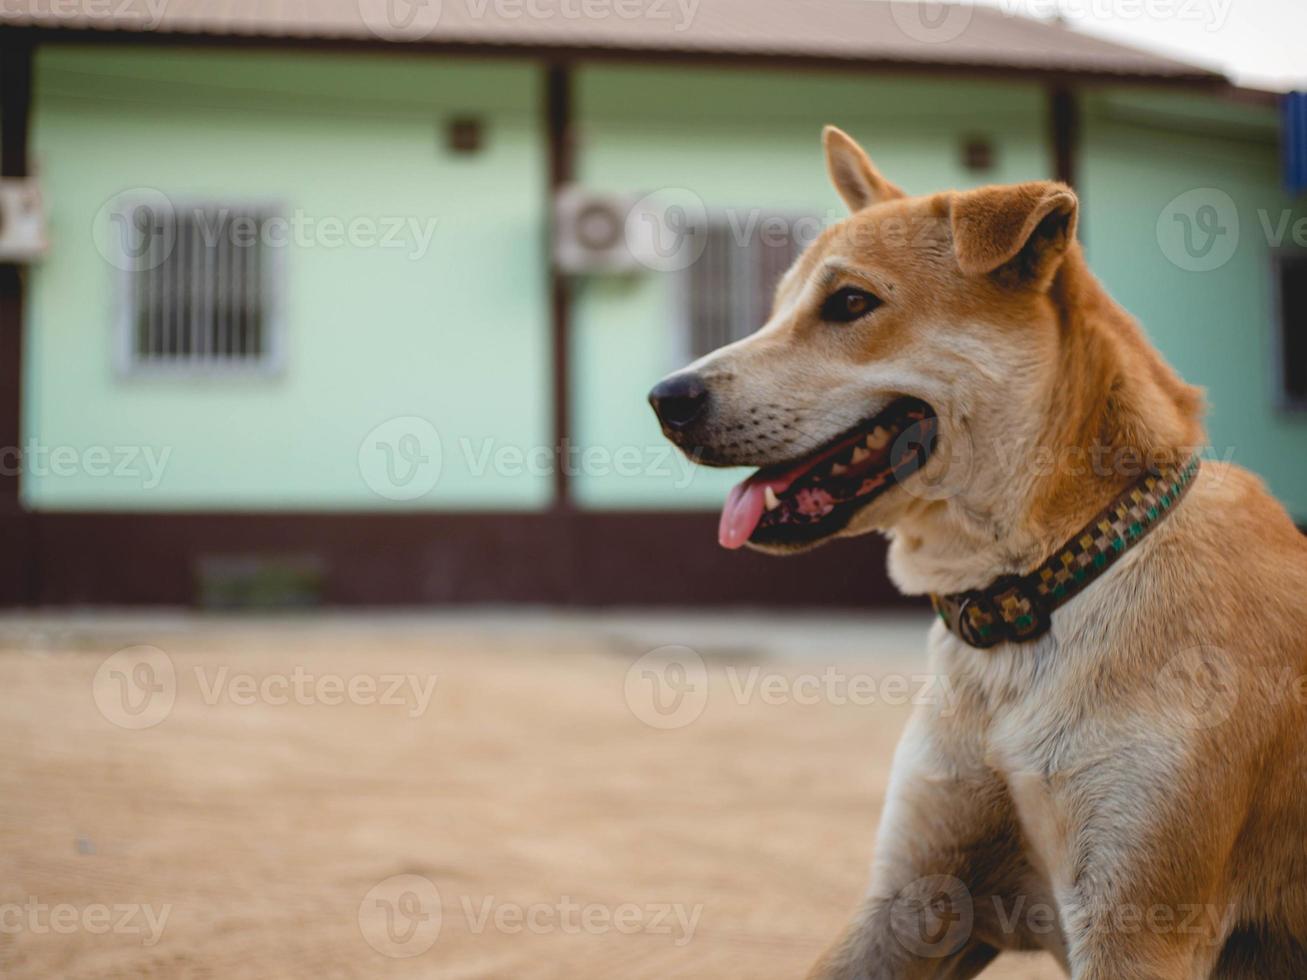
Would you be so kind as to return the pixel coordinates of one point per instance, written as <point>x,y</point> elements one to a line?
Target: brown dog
<point>1122,778</point>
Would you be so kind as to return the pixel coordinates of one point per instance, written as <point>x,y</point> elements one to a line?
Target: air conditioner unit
<point>22,220</point>
<point>590,231</point>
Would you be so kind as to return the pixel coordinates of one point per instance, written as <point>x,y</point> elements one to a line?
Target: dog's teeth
<point>770,499</point>
<point>879,438</point>
<point>838,469</point>
<point>859,454</point>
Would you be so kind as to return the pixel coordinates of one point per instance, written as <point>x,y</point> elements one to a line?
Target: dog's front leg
<point>945,850</point>
<point>1139,935</point>
<point>1147,829</point>
<point>1150,920</point>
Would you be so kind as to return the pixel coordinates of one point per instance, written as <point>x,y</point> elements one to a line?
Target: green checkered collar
<point>1019,608</point>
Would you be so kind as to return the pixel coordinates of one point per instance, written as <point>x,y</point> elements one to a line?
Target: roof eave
<point>573,51</point>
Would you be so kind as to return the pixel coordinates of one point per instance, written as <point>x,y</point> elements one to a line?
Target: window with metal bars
<point>1291,332</point>
<point>200,288</point>
<point>729,288</point>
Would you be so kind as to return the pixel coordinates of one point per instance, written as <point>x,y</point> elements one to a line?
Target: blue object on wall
<point>1294,107</point>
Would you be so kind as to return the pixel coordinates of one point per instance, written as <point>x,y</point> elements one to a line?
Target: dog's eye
<point>847,305</point>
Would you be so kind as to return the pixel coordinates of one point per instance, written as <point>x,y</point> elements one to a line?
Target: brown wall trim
<point>574,558</point>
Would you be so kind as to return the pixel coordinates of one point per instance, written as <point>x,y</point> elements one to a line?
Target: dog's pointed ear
<point>1022,229</point>
<point>851,171</point>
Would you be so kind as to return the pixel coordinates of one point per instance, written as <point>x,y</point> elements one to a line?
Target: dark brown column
<point>558,121</point>
<point>1064,131</point>
<point>17,582</point>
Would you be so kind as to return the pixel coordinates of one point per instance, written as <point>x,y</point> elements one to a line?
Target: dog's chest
<point>1027,734</point>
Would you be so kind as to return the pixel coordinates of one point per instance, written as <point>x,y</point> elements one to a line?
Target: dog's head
<point>905,346</point>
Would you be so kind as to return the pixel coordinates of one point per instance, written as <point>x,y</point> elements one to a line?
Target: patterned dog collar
<point>1019,608</point>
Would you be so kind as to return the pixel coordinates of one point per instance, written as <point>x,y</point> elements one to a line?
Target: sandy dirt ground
<point>441,797</point>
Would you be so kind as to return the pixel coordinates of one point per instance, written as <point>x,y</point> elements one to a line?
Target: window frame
<point>1284,401</point>
<point>684,294</point>
<point>128,365</point>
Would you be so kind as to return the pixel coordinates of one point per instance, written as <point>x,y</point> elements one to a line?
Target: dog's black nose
<point>679,400</point>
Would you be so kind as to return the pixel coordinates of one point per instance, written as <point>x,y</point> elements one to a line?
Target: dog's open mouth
<point>803,501</point>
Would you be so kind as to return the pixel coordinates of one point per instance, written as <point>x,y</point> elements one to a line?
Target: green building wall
<point>458,332</point>
<point>1216,326</point>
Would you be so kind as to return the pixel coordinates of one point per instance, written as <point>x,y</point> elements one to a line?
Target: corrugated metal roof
<point>873,31</point>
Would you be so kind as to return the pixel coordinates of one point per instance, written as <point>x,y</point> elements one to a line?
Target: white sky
<point>1259,43</point>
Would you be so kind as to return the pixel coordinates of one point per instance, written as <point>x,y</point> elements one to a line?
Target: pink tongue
<point>740,515</point>
<point>745,505</point>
